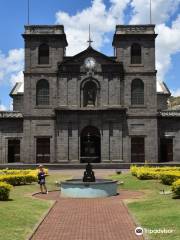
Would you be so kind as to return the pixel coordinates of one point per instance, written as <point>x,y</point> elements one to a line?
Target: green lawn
<point>153,211</point>
<point>19,216</point>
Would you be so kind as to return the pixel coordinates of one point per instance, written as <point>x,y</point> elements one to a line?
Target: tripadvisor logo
<point>139,231</point>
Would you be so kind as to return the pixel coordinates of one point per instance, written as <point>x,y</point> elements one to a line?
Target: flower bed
<point>18,179</point>
<point>167,175</point>
<point>15,178</point>
<point>24,172</point>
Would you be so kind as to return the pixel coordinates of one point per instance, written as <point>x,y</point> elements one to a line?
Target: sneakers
<point>44,192</point>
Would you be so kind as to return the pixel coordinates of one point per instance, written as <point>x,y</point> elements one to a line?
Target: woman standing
<point>41,179</point>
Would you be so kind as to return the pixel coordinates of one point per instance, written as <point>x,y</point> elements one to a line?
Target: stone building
<point>90,106</point>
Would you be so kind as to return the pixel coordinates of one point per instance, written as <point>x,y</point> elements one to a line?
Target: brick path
<point>88,219</point>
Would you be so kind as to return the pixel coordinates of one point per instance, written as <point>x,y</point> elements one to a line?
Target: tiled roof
<point>162,88</point>
<point>17,89</point>
<point>10,114</point>
<point>170,113</point>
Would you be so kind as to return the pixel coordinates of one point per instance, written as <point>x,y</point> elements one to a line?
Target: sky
<point>76,15</point>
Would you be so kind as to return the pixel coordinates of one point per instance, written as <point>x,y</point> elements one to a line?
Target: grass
<point>153,211</point>
<point>19,216</point>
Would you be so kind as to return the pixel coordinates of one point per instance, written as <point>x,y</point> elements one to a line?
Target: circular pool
<point>76,188</point>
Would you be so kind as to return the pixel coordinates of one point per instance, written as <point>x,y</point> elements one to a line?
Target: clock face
<point>90,62</point>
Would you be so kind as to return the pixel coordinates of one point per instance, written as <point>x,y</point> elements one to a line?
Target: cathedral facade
<point>90,107</point>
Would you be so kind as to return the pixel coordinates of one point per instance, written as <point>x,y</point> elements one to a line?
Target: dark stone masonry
<point>90,107</point>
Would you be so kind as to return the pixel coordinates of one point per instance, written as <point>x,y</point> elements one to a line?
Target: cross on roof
<point>89,41</point>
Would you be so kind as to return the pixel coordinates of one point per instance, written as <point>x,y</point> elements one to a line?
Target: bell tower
<point>44,41</point>
<point>127,40</point>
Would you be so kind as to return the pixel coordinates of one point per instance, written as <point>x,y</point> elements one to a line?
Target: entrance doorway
<point>166,149</point>
<point>137,149</point>
<point>90,142</point>
<point>13,151</point>
<point>43,150</point>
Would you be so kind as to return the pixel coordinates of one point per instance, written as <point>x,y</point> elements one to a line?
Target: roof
<point>10,114</point>
<point>162,88</point>
<point>170,113</point>
<point>18,89</point>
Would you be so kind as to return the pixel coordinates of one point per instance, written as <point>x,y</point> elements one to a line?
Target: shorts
<point>42,182</point>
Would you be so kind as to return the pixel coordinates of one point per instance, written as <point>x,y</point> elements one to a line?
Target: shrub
<point>176,188</point>
<point>4,191</point>
<point>167,174</point>
<point>133,170</point>
<point>18,179</point>
<point>145,174</point>
<point>169,177</point>
<point>21,171</point>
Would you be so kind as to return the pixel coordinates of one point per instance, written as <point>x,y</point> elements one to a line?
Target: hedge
<point>18,171</point>
<point>167,175</point>
<point>15,178</point>
<point>18,179</point>
<point>4,191</point>
<point>176,188</point>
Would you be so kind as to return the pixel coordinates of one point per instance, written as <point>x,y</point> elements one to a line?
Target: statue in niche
<point>91,94</point>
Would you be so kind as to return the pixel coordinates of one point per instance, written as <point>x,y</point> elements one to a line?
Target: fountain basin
<point>76,188</point>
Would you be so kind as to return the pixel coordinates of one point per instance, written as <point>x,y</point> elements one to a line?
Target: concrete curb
<point>30,236</point>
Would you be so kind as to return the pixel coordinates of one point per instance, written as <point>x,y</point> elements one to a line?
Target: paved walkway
<point>88,219</point>
<point>78,173</point>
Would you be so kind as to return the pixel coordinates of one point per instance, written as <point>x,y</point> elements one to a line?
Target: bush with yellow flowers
<point>13,177</point>
<point>4,191</point>
<point>176,188</point>
<point>167,175</point>
<point>19,177</point>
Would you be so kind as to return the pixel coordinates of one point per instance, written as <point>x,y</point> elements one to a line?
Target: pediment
<point>89,52</point>
<point>104,64</point>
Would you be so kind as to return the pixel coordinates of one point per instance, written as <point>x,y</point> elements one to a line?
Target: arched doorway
<point>90,141</point>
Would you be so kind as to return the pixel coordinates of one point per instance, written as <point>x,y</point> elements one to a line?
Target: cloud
<point>176,93</point>
<point>17,77</point>
<point>2,107</point>
<point>167,44</point>
<point>11,66</point>
<point>161,10</point>
<point>102,21</point>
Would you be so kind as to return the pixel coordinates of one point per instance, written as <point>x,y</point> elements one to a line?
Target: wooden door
<point>13,151</point>
<point>43,150</point>
<point>137,149</point>
<point>166,150</point>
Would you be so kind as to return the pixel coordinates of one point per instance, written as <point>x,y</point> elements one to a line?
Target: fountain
<point>89,186</point>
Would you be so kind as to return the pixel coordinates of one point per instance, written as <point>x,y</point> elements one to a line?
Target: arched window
<point>136,54</point>
<point>89,94</point>
<point>137,92</point>
<point>42,92</point>
<point>43,54</point>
